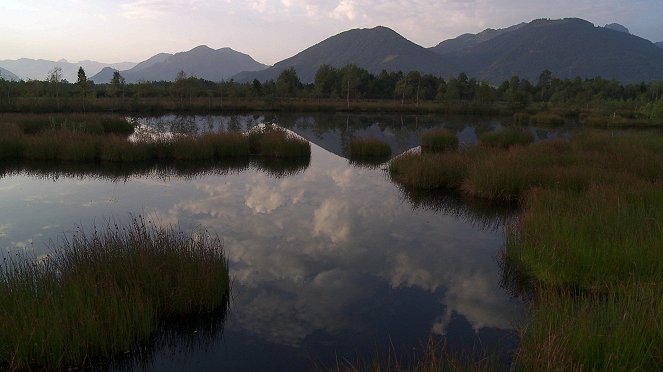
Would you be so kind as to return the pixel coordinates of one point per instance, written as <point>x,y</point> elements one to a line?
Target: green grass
<point>105,292</point>
<point>506,138</point>
<point>439,141</point>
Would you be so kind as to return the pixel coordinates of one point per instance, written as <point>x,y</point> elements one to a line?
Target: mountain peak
<point>201,48</point>
<point>568,47</point>
<point>617,27</point>
<point>374,49</point>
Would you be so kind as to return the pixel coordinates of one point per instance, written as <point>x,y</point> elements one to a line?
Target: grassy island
<point>96,138</point>
<point>103,293</point>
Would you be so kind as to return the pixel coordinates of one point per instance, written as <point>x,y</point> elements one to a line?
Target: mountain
<point>202,62</point>
<point>567,47</point>
<point>659,44</point>
<point>38,69</point>
<point>617,27</point>
<point>374,49</point>
<point>8,75</point>
<point>470,40</point>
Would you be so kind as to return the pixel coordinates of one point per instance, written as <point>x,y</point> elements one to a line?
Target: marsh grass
<point>275,142</point>
<point>431,356</point>
<point>615,331</point>
<point>506,138</point>
<point>369,150</point>
<point>440,140</point>
<point>105,292</point>
<point>588,242</point>
<point>77,146</point>
<point>429,171</point>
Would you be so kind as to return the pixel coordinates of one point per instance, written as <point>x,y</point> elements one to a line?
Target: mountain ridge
<point>38,69</point>
<point>202,62</point>
<point>568,47</point>
<point>374,49</point>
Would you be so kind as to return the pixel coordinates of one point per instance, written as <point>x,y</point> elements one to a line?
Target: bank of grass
<point>103,293</point>
<point>79,146</point>
<point>440,140</point>
<point>589,241</point>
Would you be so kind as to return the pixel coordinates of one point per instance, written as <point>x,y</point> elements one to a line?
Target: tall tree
<point>288,84</point>
<point>82,83</point>
<point>117,85</point>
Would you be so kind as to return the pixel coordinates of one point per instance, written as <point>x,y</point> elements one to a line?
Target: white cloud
<point>346,9</point>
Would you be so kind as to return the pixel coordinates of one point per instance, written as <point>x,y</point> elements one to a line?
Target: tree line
<point>351,83</point>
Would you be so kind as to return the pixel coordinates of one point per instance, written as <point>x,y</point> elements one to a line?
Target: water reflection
<point>114,172</point>
<point>334,132</point>
<point>479,212</point>
<point>329,260</point>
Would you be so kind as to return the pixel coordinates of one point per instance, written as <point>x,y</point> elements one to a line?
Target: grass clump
<point>429,171</point>
<point>439,141</point>
<point>506,138</point>
<point>103,293</point>
<point>275,142</point>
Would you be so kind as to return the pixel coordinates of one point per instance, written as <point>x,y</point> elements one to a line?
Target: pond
<point>330,261</point>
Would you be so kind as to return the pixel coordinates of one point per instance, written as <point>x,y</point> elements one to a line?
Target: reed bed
<point>275,142</point>
<point>440,140</point>
<point>506,138</point>
<point>103,293</point>
<point>588,241</point>
<point>76,146</point>
<point>366,148</point>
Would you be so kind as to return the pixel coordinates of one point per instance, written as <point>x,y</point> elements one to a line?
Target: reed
<point>440,140</point>
<point>106,292</point>
<point>275,142</point>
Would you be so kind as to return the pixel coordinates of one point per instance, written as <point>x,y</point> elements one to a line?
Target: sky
<point>271,30</point>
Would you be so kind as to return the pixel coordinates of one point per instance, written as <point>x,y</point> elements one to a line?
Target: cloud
<point>347,9</point>
<point>146,9</point>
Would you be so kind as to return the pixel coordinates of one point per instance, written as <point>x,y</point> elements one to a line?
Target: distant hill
<point>8,75</point>
<point>659,44</point>
<point>470,40</point>
<point>374,49</point>
<point>617,27</point>
<point>568,47</point>
<point>38,69</point>
<point>202,62</point>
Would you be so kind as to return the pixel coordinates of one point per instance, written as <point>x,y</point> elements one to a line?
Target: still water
<point>329,261</point>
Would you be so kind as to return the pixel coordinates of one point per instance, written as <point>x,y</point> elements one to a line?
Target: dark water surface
<point>329,261</point>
